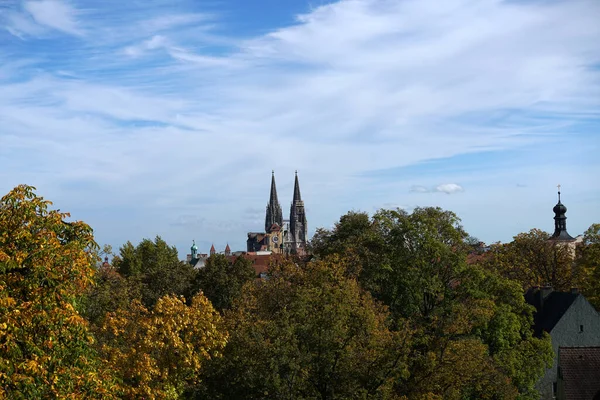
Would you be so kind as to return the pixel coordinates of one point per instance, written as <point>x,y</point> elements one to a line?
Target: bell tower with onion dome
<point>560,222</point>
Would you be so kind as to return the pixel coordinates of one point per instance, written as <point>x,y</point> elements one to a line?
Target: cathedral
<point>281,236</point>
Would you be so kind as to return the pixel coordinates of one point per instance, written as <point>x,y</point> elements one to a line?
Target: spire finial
<point>296,172</point>
<point>272,172</point>
<point>558,186</point>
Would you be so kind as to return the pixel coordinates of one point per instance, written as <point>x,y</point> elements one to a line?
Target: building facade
<point>570,320</point>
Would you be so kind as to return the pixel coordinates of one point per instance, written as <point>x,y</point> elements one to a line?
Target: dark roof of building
<point>562,236</point>
<point>579,369</point>
<point>555,305</point>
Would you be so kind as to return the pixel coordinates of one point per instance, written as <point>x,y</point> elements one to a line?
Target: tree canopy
<point>222,280</point>
<point>158,353</point>
<point>392,306</point>
<point>534,260</point>
<point>464,317</point>
<point>307,332</point>
<point>156,267</point>
<point>46,348</point>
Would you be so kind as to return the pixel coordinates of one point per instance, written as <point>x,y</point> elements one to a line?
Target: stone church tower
<point>274,214</point>
<point>298,228</point>
<point>281,236</point>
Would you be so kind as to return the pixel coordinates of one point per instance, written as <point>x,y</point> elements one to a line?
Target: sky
<point>166,117</point>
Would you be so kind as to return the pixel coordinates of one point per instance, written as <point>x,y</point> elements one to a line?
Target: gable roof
<point>579,369</point>
<point>553,307</point>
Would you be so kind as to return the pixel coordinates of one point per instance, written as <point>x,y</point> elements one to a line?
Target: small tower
<point>194,250</point>
<point>560,222</point>
<point>227,250</point>
<point>298,226</point>
<point>212,250</point>
<point>274,214</point>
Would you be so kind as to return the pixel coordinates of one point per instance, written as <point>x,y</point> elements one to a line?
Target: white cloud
<point>55,14</point>
<point>449,188</point>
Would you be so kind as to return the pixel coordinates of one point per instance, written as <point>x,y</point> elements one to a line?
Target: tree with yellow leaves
<point>45,266</point>
<point>160,352</point>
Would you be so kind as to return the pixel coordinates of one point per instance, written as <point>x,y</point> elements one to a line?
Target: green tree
<point>110,292</point>
<point>405,260</point>
<point>468,342</point>
<point>307,332</point>
<point>45,267</point>
<point>588,264</point>
<point>156,267</point>
<point>533,260</point>
<point>221,281</point>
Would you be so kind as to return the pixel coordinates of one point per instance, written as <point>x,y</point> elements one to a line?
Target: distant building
<point>281,236</point>
<point>196,259</point>
<point>569,319</point>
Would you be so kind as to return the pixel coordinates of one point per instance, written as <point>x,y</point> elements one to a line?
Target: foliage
<point>221,281</point>
<point>405,260</point>
<point>110,292</point>
<point>533,260</point>
<point>45,266</point>
<point>588,264</point>
<point>304,333</point>
<point>156,266</point>
<point>472,327</point>
<point>159,353</point>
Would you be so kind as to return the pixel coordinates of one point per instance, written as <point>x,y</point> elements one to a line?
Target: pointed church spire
<point>297,196</point>
<point>560,221</point>
<point>274,214</point>
<point>273,197</point>
<point>298,227</point>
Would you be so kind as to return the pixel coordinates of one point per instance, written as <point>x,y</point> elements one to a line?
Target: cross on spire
<point>558,186</point>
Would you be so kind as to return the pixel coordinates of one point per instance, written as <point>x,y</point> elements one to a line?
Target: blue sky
<point>148,118</point>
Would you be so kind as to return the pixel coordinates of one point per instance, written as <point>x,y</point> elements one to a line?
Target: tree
<point>307,332</point>
<point>468,342</point>
<point>45,266</point>
<point>110,292</point>
<point>221,281</point>
<point>405,260</point>
<point>588,264</point>
<point>533,260</point>
<point>156,266</point>
<point>159,353</point>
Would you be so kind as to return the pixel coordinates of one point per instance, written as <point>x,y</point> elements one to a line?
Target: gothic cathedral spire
<point>274,214</point>
<point>297,221</point>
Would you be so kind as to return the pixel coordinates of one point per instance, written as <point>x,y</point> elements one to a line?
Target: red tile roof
<point>579,368</point>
